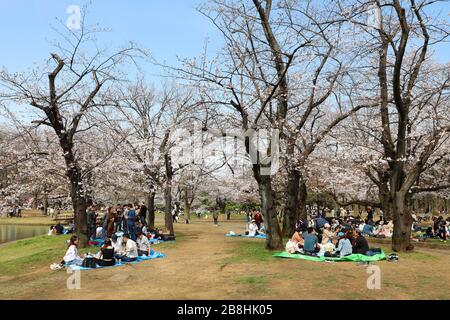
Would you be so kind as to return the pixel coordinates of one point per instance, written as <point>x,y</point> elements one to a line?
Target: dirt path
<point>193,269</point>
<point>203,265</point>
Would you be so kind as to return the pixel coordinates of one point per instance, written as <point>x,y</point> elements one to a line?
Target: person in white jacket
<point>253,229</point>
<point>143,244</point>
<point>130,252</point>
<point>71,257</point>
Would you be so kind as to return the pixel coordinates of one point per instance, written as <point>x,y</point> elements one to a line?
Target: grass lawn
<point>204,264</point>
<point>37,221</point>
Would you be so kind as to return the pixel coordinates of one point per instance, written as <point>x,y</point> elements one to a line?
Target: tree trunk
<point>151,209</point>
<point>291,211</point>
<point>168,219</point>
<point>386,205</point>
<point>35,200</point>
<point>222,203</point>
<point>187,212</point>
<point>45,200</point>
<point>401,238</point>
<point>303,196</point>
<point>274,239</point>
<point>77,192</point>
<point>187,205</point>
<point>79,206</point>
<point>168,194</point>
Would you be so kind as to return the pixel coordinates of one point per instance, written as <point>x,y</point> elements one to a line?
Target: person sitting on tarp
<point>59,228</point>
<point>311,242</point>
<point>142,244</point>
<point>327,234</point>
<point>320,223</point>
<point>253,229</point>
<point>117,242</point>
<point>360,244</point>
<point>130,252</point>
<point>51,231</point>
<point>296,242</point>
<point>71,257</point>
<point>301,224</point>
<point>105,257</point>
<point>368,228</point>
<point>344,247</point>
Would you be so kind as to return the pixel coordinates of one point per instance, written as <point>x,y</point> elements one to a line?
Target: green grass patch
<point>249,250</point>
<point>25,255</point>
<point>32,221</point>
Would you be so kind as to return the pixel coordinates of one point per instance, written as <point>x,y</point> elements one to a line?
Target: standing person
<point>369,211</point>
<point>104,224</point>
<point>143,214</point>
<point>174,215</point>
<point>247,216</point>
<point>124,219</point>
<point>216,217</point>
<point>91,222</point>
<point>131,222</point>
<point>258,219</point>
<point>118,218</point>
<point>110,223</point>
<point>443,230</point>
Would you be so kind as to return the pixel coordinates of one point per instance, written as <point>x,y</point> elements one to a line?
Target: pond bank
<point>30,221</point>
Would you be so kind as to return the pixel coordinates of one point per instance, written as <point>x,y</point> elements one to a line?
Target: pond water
<point>16,232</point>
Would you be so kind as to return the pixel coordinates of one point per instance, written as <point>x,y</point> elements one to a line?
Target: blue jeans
<point>76,262</point>
<point>124,258</point>
<point>132,231</point>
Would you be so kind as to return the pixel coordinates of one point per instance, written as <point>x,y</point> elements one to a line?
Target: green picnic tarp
<point>352,257</point>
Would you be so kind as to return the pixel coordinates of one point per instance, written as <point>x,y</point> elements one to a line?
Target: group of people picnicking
<point>347,235</point>
<point>126,218</point>
<point>116,248</point>
<point>254,220</point>
<point>123,231</point>
<point>14,212</point>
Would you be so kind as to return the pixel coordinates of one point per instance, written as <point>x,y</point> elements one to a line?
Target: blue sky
<point>166,28</point>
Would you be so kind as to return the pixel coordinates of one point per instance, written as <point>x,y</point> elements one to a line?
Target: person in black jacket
<point>360,244</point>
<point>143,214</point>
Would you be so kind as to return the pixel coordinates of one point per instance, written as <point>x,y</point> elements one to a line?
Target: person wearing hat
<point>344,247</point>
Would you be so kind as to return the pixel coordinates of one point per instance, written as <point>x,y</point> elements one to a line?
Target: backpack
<point>89,263</point>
